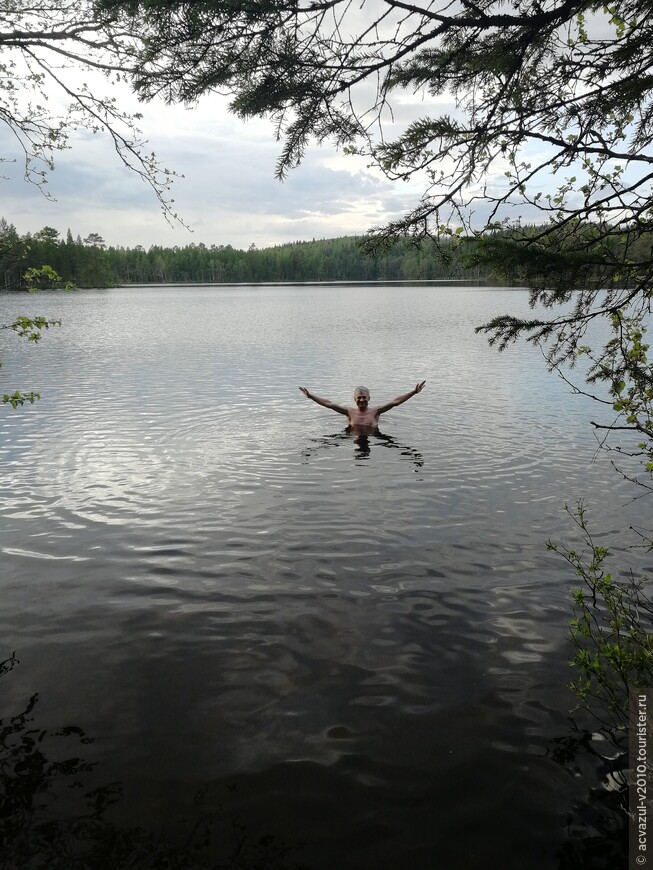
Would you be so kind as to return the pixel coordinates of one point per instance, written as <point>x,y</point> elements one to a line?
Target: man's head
<point>361,396</point>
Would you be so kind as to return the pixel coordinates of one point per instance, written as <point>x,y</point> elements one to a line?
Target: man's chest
<point>369,417</point>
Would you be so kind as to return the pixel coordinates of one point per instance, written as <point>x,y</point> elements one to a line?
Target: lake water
<point>359,649</point>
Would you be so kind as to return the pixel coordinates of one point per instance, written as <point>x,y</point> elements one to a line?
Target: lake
<point>354,649</point>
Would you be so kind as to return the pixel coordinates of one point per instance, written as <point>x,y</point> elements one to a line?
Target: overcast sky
<point>228,194</point>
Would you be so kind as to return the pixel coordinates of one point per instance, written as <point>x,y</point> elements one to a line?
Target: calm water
<point>360,647</point>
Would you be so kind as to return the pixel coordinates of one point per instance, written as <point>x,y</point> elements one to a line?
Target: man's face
<point>362,401</point>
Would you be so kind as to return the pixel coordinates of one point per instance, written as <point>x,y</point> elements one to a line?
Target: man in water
<point>363,419</point>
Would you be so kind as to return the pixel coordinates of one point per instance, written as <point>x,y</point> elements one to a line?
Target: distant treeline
<point>90,263</point>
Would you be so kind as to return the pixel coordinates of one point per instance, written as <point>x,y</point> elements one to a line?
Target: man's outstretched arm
<point>401,399</point>
<point>326,403</point>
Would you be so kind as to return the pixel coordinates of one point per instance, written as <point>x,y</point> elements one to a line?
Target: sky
<point>228,193</point>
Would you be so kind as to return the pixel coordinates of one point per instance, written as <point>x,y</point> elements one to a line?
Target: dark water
<point>357,646</point>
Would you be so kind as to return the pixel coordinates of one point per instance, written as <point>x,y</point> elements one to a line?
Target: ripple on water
<point>222,585</point>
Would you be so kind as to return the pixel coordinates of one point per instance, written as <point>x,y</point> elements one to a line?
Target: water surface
<point>359,645</point>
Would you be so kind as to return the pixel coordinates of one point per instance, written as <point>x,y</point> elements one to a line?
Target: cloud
<point>228,193</point>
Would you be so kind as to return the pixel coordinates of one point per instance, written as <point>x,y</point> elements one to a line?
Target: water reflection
<point>51,815</point>
<point>56,813</point>
<point>363,444</point>
<point>597,825</point>
<point>366,638</point>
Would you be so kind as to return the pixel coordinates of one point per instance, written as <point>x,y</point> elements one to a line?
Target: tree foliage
<point>31,327</point>
<point>612,630</point>
<point>571,76</point>
<point>57,64</point>
<point>91,263</point>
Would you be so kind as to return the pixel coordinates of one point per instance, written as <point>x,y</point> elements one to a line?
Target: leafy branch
<point>31,328</point>
<point>611,630</point>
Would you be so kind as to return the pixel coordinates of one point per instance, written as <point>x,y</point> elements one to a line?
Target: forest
<point>90,262</point>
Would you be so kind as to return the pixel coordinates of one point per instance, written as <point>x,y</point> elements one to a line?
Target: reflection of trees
<point>363,445</point>
<point>598,826</point>
<point>48,821</point>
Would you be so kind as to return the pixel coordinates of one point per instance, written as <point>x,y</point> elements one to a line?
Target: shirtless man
<point>363,419</point>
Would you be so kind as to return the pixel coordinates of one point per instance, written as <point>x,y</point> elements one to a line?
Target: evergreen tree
<point>13,250</point>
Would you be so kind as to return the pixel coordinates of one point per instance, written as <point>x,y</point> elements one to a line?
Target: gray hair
<point>360,391</point>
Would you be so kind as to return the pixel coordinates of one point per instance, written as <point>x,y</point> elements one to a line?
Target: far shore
<point>443,282</point>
